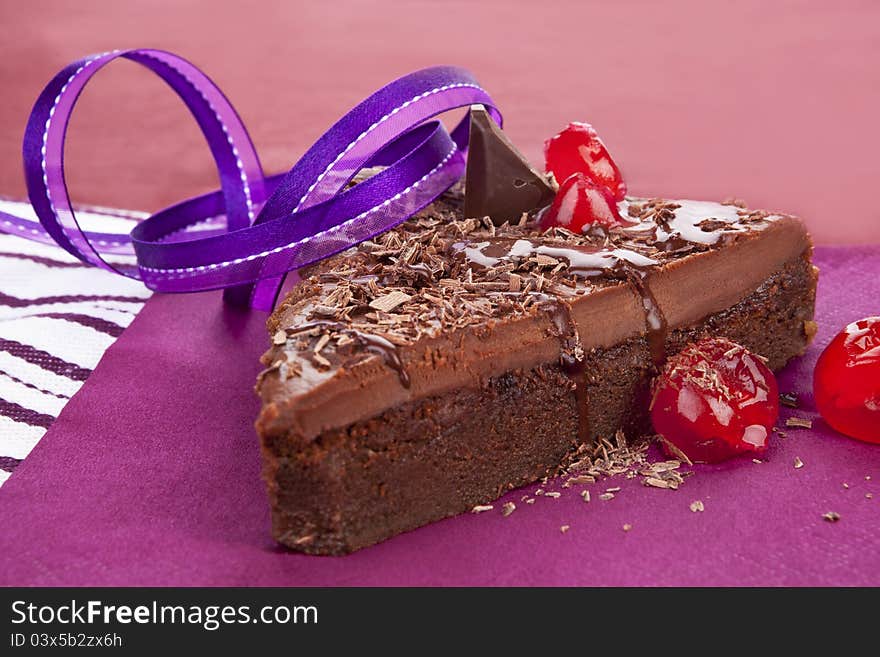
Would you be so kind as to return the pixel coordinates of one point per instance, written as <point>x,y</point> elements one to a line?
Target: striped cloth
<point>57,318</point>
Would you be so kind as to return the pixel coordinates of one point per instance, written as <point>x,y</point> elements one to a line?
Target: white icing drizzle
<point>580,260</point>
<point>685,223</point>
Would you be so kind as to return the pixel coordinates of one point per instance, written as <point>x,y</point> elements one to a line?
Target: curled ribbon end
<point>245,237</point>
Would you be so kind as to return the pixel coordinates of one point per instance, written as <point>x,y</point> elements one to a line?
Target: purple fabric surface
<point>150,476</point>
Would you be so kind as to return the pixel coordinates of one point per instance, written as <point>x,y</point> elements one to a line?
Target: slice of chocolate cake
<point>449,360</point>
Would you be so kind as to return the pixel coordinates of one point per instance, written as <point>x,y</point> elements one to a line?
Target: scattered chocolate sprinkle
<point>737,202</point>
<point>605,459</point>
<point>531,500</point>
<point>304,540</point>
<point>508,508</point>
<point>799,422</point>
<point>606,496</point>
<point>789,399</point>
<point>798,463</point>
<point>579,479</point>
<point>480,508</point>
<point>831,516</point>
<point>656,483</point>
<point>673,449</point>
<point>390,301</point>
<point>757,461</point>
<point>323,363</point>
<point>564,528</point>
<point>627,527</point>
<point>869,496</point>
<point>321,343</point>
<point>697,506</point>
<point>586,495</point>
<point>845,485</point>
<point>554,495</point>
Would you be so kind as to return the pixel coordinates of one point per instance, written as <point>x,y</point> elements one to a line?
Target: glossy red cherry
<point>578,149</point>
<point>715,400</point>
<point>579,204</point>
<point>846,383</point>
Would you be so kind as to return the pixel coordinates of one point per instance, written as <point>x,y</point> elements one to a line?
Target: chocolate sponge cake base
<point>441,455</point>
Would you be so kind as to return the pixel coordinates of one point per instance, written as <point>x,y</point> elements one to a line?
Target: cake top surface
<point>438,272</point>
<point>443,301</point>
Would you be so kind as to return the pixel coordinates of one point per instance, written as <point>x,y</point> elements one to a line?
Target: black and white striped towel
<point>57,317</point>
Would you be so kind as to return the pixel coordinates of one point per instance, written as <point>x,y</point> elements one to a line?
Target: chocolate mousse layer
<point>417,375</point>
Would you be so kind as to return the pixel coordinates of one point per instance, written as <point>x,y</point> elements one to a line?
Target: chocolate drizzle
<point>573,361</point>
<point>383,347</point>
<point>585,261</point>
<point>656,326</point>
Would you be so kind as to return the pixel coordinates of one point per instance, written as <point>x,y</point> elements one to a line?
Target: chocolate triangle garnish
<point>499,183</point>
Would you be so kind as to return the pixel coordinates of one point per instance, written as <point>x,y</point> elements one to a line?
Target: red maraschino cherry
<point>578,149</point>
<point>579,204</point>
<point>715,400</point>
<point>846,382</point>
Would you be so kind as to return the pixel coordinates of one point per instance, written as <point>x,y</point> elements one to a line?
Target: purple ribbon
<point>273,224</point>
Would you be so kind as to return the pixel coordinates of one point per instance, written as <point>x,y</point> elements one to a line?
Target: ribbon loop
<point>272,224</point>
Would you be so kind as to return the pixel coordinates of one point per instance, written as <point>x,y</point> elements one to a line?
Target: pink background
<point>159,484</point>
<point>775,102</point>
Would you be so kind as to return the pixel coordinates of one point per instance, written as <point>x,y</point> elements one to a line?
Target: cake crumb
<point>798,464</point>
<point>799,422</point>
<point>627,527</point>
<point>586,495</point>
<point>697,506</point>
<point>831,516</point>
<point>508,508</point>
<point>280,337</point>
<point>480,508</point>
<point>564,528</point>
<point>606,496</point>
<point>810,328</point>
<point>554,495</point>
